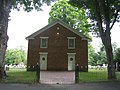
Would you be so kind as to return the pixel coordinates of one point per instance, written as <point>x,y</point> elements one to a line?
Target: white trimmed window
<point>43,42</point>
<point>71,42</point>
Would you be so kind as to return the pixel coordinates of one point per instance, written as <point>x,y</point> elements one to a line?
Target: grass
<point>22,76</point>
<point>118,75</point>
<point>95,76</point>
<point>19,76</point>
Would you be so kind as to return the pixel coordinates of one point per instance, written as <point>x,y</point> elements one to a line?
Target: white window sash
<point>45,42</point>
<point>69,46</point>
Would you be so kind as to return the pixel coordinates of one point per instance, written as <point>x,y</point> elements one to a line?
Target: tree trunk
<point>111,65</point>
<point>5,6</point>
<point>106,39</point>
<point>105,35</point>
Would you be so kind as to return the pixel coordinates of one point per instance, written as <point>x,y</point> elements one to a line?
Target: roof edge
<point>54,23</point>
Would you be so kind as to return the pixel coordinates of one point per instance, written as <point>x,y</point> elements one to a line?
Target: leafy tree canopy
<point>95,58</point>
<point>29,5</point>
<point>15,56</point>
<point>73,16</point>
<point>117,55</point>
<point>92,60</point>
<point>109,10</point>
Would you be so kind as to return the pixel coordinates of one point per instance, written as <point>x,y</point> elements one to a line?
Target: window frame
<point>73,38</point>
<point>41,42</point>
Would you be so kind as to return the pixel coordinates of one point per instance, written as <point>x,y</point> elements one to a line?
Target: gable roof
<point>54,23</point>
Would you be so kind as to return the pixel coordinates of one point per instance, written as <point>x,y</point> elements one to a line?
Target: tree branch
<point>107,17</point>
<point>116,14</point>
<point>98,15</point>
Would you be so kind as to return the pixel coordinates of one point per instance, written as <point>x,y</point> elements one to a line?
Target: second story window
<point>43,42</point>
<point>71,42</point>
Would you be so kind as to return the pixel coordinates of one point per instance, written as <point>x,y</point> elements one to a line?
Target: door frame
<point>45,54</point>
<point>71,68</point>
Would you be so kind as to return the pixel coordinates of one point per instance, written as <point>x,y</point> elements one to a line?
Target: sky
<point>22,24</point>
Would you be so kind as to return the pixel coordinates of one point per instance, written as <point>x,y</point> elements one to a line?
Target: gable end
<point>51,25</point>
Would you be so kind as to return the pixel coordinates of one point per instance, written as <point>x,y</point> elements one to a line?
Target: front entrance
<point>71,61</point>
<point>43,61</point>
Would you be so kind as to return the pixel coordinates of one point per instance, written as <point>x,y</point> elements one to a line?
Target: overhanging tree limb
<point>115,17</point>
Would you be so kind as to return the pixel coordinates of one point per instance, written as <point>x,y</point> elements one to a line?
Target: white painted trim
<point>46,42</point>
<point>44,37</point>
<point>43,64</point>
<point>30,38</point>
<point>71,37</point>
<point>71,64</point>
<point>43,52</point>
<point>71,53</point>
<point>68,42</point>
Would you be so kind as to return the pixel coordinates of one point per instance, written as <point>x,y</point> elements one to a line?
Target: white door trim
<point>43,53</point>
<point>71,53</point>
<point>71,63</point>
<point>43,61</point>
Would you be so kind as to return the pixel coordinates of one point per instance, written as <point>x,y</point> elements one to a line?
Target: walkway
<point>57,77</point>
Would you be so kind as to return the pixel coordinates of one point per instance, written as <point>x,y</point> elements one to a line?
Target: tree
<point>103,15</point>
<point>15,56</point>
<point>9,57</point>
<point>95,58</point>
<point>92,56</point>
<point>117,55</point>
<point>101,55</point>
<point>117,58</point>
<point>5,8</point>
<point>73,16</point>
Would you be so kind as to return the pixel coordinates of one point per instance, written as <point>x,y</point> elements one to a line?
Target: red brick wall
<point>58,49</point>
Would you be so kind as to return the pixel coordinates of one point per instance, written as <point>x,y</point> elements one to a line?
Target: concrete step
<point>57,77</point>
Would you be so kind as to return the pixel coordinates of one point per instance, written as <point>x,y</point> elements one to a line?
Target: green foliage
<point>117,55</point>
<point>73,16</point>
<point>92,60</point>
<point>102,57</point>
<point>99,57</point>
<point>29,5</point>
<point>95,58</point>
<point>15,56</point>
<point>108,9</point>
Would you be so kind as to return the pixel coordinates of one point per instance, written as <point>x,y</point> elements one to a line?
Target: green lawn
<point>19,76</point>
<point>118,75</point>
<point>22,76</point>
<point>95,76</point>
